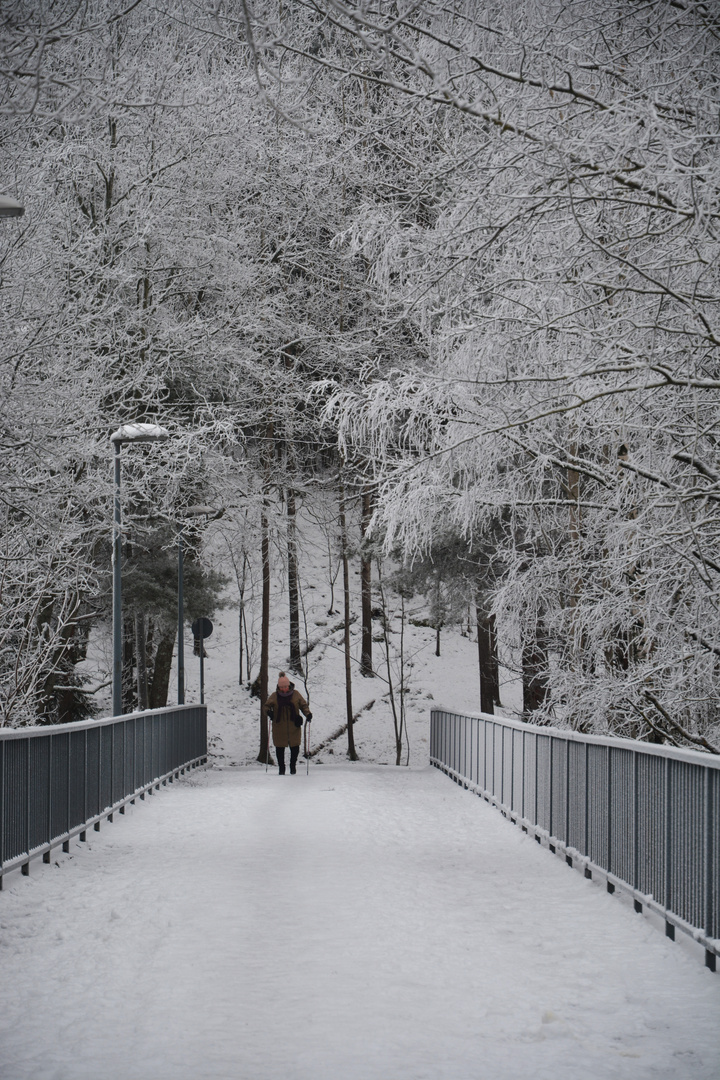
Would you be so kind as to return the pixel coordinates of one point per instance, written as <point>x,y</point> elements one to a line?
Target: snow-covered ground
<point>360,922</point>
<point>233,715</point>
<point>365,921</point>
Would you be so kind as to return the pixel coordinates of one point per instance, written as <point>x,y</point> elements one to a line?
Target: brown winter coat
<point>284,730</point>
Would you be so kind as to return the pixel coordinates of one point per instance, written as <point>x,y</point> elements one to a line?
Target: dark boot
<point>294,751</point>
<point>280,751</point>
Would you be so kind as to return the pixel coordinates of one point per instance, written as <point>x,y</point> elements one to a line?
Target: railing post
<point>522,810</point>
<point>135,754</point>
<point>49,793</point>
<point>69,776</point>
<point>99,770</point>
<point>552,784</point>
<point>669,928</point>
<point>710,930</point>
<point>494,759</point>
<point>609,836</point>
<point>485,756</point>
<point>587,801</point>
<point>636,828</point>
<point>2,810</point>
<point>464,747</point>
<point>537,773</point>
<point>85,777</point>
<point>502,764</point>
<point>567,793</point>
<point>477,752</point>
<point>28,781</point>
<point>512,768</point>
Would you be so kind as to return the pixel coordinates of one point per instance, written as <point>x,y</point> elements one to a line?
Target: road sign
<point>202,628</point>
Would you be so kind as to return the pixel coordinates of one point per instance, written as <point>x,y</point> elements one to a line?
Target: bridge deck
<point>359,923</point>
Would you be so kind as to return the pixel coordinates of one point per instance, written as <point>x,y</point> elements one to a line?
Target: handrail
<point>57,781</point>
<point>642,816</point>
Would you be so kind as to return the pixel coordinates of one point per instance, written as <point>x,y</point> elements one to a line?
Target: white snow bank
<point>362,922</point>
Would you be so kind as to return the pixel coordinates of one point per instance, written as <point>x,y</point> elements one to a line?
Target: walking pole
<point>307,759</point>
<point>305,680</point>
<point>267,741</point>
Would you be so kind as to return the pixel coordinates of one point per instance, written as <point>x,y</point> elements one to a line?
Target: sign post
<point>202,628</point>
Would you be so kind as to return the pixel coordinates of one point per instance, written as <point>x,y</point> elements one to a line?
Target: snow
<point>450,680</point>
<point>362,921</point>
<point>139,433</point>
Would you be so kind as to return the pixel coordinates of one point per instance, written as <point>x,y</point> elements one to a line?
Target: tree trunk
<point>495,660</point>
<point>248,656</point>
<point>150,652</point>
<point>240,643</point>
<point>161,670</point>
<point>487,659</point>
<point>396,714</point>
<point>264,753</point>
<point>403,728</point>
<point>293,590</point>
<point>141,667</point>
<point>534,673</point>
<point>351,752</point>
<point>366,661</point>
<point>129,698</point>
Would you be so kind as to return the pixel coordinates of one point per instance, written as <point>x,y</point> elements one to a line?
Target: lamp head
<point>139,433</point>
<point>10,207</point>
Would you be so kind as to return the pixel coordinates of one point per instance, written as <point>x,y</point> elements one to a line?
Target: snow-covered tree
<point>565,293</point>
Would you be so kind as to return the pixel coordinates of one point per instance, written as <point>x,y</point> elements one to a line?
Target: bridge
<point>360,921</point>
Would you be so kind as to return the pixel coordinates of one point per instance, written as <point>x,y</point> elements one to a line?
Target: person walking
<point>284,707</point>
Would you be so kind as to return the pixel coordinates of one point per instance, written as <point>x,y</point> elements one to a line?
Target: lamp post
<point>10,207</point>
<point>128,433</point>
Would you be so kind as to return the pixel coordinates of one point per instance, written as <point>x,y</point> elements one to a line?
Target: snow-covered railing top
<point>642,816</point>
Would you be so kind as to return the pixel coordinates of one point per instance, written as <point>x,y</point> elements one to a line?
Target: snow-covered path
<point>362,922</point>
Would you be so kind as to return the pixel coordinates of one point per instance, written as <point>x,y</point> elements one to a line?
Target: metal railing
<point>55,782</point>
<point>643,817</point>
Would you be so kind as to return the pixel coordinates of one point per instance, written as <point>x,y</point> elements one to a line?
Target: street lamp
<point>10,207</point>
<point>128,433</point>
<point>192,511</point>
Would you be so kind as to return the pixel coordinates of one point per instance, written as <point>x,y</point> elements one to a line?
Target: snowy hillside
<point>450,680</point>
